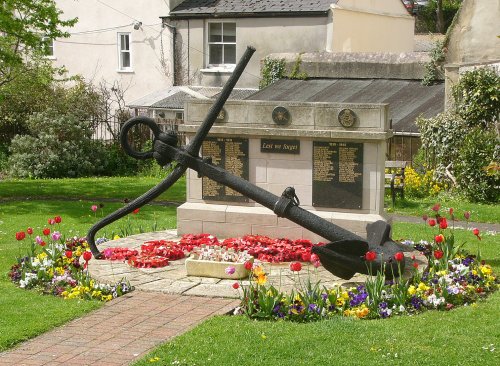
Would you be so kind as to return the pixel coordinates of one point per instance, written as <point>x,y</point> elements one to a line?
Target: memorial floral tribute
<point>159,253</point>
<point>452,278</point>
<point>54,265</point>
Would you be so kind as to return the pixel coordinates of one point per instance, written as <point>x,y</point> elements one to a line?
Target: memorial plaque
<point>337,174</point>
<point>232,155</point>
<point>280,146</point>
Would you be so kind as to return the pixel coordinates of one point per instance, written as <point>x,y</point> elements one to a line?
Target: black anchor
<point>343,257</point>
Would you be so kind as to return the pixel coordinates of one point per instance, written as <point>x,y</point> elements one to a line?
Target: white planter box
<point>204,268</point>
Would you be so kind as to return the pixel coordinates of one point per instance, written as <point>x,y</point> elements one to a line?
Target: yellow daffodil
<point>261,279</point>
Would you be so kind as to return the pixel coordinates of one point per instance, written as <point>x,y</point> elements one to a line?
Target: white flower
<point>401,308</point>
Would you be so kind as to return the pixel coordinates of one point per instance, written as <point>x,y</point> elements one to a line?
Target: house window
<point>48,46</point>
<point>221,44</point>
<point>124,52</point>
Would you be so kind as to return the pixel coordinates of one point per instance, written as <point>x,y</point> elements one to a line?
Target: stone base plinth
<point>226,221</point>
<point>204,268</point>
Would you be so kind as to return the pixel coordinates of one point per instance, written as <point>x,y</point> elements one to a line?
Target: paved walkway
<point>173,279</point>
<point>122,331</point>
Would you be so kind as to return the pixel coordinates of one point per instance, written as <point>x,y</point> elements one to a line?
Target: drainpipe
<point>174,58</point>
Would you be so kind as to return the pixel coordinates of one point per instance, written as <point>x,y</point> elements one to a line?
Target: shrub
<point>421,185</point>
<point>57,146</point>
<point>477,97</point>
<point>272,70</point>
<point>476,153</point>
<point>441,137</point>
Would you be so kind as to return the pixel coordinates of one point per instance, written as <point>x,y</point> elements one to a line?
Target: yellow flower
<point>261,279</point>
<point>423,287</point>
<point>486,270</point>
<point>60,270</point>
<point>349,312</point>
<point>41,256</point>
<point>78,252</point>
<point>474,272</point>
<point>442,273</point>
<point>345,295</point>
<point>412,290</point>
<point>362,312</point>
<point>116,237</point>
<point>258,270</point>
<point>340,302</point>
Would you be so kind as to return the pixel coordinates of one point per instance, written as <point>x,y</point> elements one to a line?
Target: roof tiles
<point>250,7</point>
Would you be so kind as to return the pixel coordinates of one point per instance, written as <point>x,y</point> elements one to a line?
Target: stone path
<point>173,279</point>
<point>122,331</point>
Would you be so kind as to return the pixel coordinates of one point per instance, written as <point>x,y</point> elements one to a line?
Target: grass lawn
<point>90,188</point>
<point>25,314</point>
<point>463,336</point>
<point>480,212</point>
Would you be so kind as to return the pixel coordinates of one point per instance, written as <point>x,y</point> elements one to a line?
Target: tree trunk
<point>440,18</point>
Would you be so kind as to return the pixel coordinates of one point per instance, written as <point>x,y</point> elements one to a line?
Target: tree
<point>25,27</point>
<point>440,16</point>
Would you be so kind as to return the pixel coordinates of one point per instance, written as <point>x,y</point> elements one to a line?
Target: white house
<point>117,41</point>
<point>127,42</point>
<point>212,35</point>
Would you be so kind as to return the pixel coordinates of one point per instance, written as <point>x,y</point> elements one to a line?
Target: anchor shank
<point>294,213</point>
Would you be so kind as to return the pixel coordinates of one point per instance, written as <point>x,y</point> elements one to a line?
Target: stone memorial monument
<point>332,154</point>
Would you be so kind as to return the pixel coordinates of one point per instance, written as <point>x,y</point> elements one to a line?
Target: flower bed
<point>453,278</point>
<point>58,266</point>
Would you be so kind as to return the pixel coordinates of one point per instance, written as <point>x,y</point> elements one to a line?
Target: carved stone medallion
<point>347,118</point>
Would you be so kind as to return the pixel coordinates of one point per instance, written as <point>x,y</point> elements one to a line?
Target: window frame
<point>223,66</point>
<point>48,45</point>
<point>122,68</point>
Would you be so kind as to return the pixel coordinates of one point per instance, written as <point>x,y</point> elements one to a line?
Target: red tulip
<point>432,222</point>
<point>136,211</point>
<point>87,256</point>
<point>425,217</point>
<point>236,285</point>
<point>467,215</point>
<point>57,219</point>
<point>415,265</point>
<point>436,207</point>
<point>399,256</point>
<point>438,254</point>
<point>439,238</point>
<point>451,211</point>
<point>29,231</point>
<point>20,235</point>
<point>69,254</point>
<point>443,224</point>
<point>295,266</point>
<point>248,265</point>
<point>46,231</point>
<point>51,221</point>
<point>475,231</point>
<point>370,256</point>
